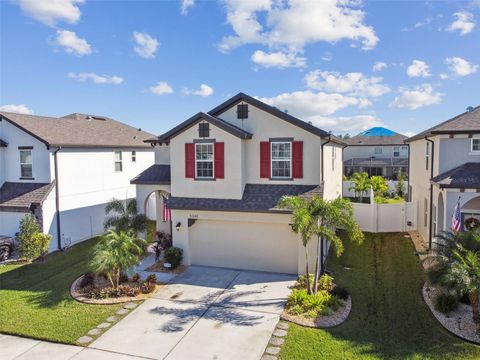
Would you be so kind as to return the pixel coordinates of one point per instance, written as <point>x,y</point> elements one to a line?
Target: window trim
<point>471,146</point>
<point>115,161</point>
<point>30,150</point>
<point>212,143</point>
<point>283,159</point>
<point>377,148</point>
<point>134,156</point>
<point>397,151</point>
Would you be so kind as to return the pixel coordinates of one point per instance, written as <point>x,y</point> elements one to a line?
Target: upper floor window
<point>427,155</point>
<point>118,161</point>
<point>396,151</point>
<point>204,161</point>
<point>204,130</point>
<point>134,156</point>
<point>475,145</point>
<point>378,150</point>
<point>281,159</point>
<point>242,111</point>
<point>26,163</point>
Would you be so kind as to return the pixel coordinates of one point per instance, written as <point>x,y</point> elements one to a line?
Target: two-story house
<point>377,151</point>
<point>64,170</point>
<point>444,171</point>
<point>223,173</point>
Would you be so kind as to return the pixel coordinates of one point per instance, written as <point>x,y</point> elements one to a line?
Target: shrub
<point>35,245</point>
<point>173,256</point>
<point>445,303</point>
<point>151,279</point>
<point>464,299</point>
<point>136,277</point>
<point>310,305</point>
<point>325,282</point>
<point>123,278</point>
<point>148,287</point>
<point>339,292</point>
<point>111,292</point>
<point>302,281</point>
<point>87,280</point>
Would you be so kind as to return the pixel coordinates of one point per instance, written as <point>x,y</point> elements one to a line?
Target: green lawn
<point>35,299</point>
<point>389,319</point>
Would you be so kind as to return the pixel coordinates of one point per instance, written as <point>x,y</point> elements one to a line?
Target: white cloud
<point>460,67</point>
<point>50,12</point>
<point>379,66</point>
<point>19,109</point>
<point>418,68</point>
<point>423,95</point>
<point>306,104</point>
<point>409,133</point>
<point>146,46</point>
<point>443,76</point>
<point>289,24</point>
<point>203,91</point>
<point>464,23</point>
<point>185,4</point>
<point>278,59</point>
<point>72,44</point>
<point>161,88</point>
<point>350,124</point>
<point>351,83</point>
<point>96,79</point>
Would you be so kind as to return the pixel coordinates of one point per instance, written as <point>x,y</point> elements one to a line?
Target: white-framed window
<point>396,151</point>
<point>427,155</point>
<point>281,160</point>
<point>118,161</point>
<point>26,163</point>
<point>475,145</point>
<point>134,156</point>
<point>378,150</point>
<point>204,161</point>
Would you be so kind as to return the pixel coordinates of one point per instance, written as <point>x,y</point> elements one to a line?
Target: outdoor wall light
<point>178,226</point>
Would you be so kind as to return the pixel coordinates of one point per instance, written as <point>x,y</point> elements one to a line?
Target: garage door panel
<point>244,245</point>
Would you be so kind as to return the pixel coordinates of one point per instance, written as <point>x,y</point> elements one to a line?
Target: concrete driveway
<point>205,313</point>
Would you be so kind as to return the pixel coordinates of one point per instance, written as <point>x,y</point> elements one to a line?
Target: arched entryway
<point>161,215</point>
<point>471,209</point>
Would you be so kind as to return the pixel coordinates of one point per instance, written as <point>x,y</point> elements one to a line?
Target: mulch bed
<point>459,322</point>
<point>158,267</point>
<point>76,293</point>
<point>322,322</point>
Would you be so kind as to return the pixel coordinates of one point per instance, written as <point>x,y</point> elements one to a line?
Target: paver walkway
<point>205,313</point>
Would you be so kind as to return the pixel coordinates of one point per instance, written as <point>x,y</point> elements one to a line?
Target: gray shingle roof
<point>154,175</point>
<point>256,198</point>
<point>222,124</point>
<point>21,196</point>
<point>3,143</point>
<point>79,130</point>
<point>466,176</point>
<point>467,122</point>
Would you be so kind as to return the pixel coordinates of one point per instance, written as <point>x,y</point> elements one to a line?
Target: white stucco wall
<point>333,171</point>
<point>162,154</point>
<point>9,222</point>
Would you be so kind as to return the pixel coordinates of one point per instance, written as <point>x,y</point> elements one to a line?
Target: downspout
<point>430,225</point>
<point>409,197</point>
<point>57,198</point>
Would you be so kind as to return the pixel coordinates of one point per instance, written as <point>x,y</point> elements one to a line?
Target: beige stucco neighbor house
<point>223,173</point>
<point>444,170</point>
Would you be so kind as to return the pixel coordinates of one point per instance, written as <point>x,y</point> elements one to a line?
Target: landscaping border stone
<point>459,322</point>
<point>78,296</point>
<point>322,322</point>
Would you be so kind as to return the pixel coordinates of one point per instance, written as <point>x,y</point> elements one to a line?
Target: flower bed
<point>159,267</point>
<point>100,292</point>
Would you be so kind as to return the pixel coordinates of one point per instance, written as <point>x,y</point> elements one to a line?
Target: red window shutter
<point>219,160</point>
<point>297,159</point>
<point>190,160</point>
<point>265,159</point>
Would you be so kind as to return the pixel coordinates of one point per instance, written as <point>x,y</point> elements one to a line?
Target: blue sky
<point>153,64</point>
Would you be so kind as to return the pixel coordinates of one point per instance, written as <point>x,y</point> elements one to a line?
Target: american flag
<point>457,218</point>
<point>166,212</point>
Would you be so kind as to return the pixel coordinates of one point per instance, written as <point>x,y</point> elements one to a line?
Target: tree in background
<point>360,184</point>
<point>379,185</point>
<point>401,184</point>
<point>124,216</point>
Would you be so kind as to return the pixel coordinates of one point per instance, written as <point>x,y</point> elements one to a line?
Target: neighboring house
<point>377,151</point>
<point>224,172</point>
<point>444,170</point>
<point>64,170</point>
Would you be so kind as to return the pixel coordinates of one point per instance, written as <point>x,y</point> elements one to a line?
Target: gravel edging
<point>76,295</point>
<point>458,322</point>
<point>322,322</point>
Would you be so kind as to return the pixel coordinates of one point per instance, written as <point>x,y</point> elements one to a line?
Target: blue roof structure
<point>378,131</point>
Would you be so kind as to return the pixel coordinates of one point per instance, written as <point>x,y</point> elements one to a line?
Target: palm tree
<point>124,216</point>
<point>115,253</point>
<point>360,184</point>
<point>303,224</point>
<point>330,215</point>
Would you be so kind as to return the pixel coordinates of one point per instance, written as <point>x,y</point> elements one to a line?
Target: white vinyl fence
<point>392,187</point>
<point>386,217</point>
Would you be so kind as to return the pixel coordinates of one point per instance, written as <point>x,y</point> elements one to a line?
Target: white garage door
<point>244,245</point>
